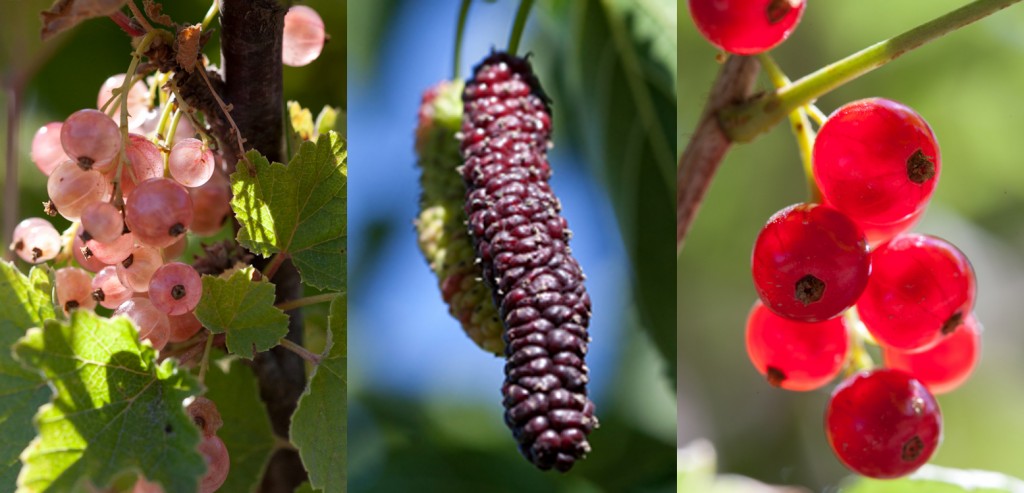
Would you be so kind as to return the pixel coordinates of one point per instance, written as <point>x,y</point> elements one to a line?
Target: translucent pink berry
<point>137,269</point>
<point>103,222</point>
<point>175,288</point>
<point>35,240</point>
<point>47,151</point>
<point>212,205</point>
<point>89,136</point>
<point>74,289</point>
<point>191,162</point>
<point>107,289</point>
<point>138,100</point>
<point>151,323</point>
<point>158,212</point>
<point>71,189</point>
<point>303,36</point>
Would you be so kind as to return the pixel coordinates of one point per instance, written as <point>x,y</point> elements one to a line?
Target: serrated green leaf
<point>245,310</point>
<point>26,303</point>
<point>297,209</point>
<point>319,426</point>
<point>246,432</point>
<point>936,479</point>
<point>614,67</point>
<point>114,409</point>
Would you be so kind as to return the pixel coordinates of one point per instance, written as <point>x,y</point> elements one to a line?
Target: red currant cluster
<point>831,275</point>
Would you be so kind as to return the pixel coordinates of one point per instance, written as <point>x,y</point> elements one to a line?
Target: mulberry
<point>522,242</point>
<point>441,225</point>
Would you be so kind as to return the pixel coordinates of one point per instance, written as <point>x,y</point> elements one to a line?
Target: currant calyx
<point>883,423</point>
<point>810,262</point>
<point>521,241</point>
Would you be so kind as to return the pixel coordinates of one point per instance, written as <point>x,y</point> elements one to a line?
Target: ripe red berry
<point>795,355</point>
<point>876,160</point>
<point>945,366</point>
<point>810,263</point>
<point>746,27</point>
<point>883,423</point>
<point>881,233</point>
<point>920,289</point>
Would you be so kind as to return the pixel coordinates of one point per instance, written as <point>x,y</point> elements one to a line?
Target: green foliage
<point>298,210</point>
<point>617,57</point>
<point>320,424</point>
<point>114,408</point>
<point>935,479</point>
<point>246,432</point>
<point>245,310</point>
<point>26,304</point>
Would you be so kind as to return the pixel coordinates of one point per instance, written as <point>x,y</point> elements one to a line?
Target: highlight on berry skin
<point>746,27</point>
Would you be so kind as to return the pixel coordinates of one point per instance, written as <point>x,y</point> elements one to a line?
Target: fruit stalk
<point>522,242</point>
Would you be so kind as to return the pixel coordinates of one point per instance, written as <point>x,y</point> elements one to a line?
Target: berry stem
<point>301,351</point>
<point>210,14</point>
<point>129,79</point>
<point>459,31</point>
<point>519,25</point>
<point>125,23</point>
<point>799,124</point>
<point>227,114</point>
<point>204,363</point>
<point>815,113</point>
<point>745,122</point>
<point>306,301</point>
<point>859,358</point>
<point>139,17</point>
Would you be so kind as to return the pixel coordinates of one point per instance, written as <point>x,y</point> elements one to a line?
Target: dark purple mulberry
<point>522,242</point>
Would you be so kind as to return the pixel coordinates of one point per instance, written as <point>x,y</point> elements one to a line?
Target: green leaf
<point>114,409</point>
<point>26,304</point>
<point>936,479</point>
<point>245,310</point>
<point>246,432</point>
<point>319,426</point>
<point>297,209</point>
<point>613,64</point>
<point>305,488</point>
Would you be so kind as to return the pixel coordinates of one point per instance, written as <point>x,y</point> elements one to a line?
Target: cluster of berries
<point>830,275</point>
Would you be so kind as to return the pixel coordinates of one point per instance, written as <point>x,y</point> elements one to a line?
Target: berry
<point>218,463</point>
<point>138,100</point>
<point>89,136</point>
<point>881,233</point>
<point>205,415</point>
<point>876,161</point>
<point>522,243</point>
<point>145,161</point>
<point>183,327</point>
<point>151,323</point>
<point>441,225</point>
<point>110,253</point>
<point>883,423</point>
<point>175,288</point>
<point>107,289</point>
<point>191,162</point>
<point>795,355</point>
<point>74,289</point>
<point>35,240</point>
<point>176,249</point>
<point>303,38</point>
<point>810,262</point>
<point>158,212</point>
<point>71,189</point>
<point>921,288</point>
<point>746,27</point>
<point>136,270</point>
<point>90,263</point>
<point>103,222</point>
<point>211,202</point>
<point>47,151</point>
<point>945,366</point>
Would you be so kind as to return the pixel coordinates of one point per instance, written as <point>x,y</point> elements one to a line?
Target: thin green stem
<point>459,31</point>
<point>306,301</point>
<point>746,121</point>
<point>858,358</point>
<point>210,14</point>
<point>799,124</point>
<point>204,363</point>
<point>301,351</point>
<point>519,25</point>
<point>816,114</point>
<point>129,79</point>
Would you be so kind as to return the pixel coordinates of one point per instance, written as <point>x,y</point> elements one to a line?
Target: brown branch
<point>709,144</point>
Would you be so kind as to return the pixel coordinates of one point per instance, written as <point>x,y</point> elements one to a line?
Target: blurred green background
<point>967,85</point>
<point>425,403</point>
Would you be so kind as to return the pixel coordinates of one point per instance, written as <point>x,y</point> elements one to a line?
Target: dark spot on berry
<point>87,253</point>
<point>809,289</point>
<point>775,376</point>
<point>920,168</point>
<point>19,245</point>
<point>98,295</point>
<point>128,261</point>
<point>912,449</point>
<point>199,421</point>
<point>178,291</point>
<point>36,253</point>
<point>952,323</point>
<point>779,9</point>
<point>177,230</point>
<point>49,208</point>
<point>86,163</point>
<point>70,305</point>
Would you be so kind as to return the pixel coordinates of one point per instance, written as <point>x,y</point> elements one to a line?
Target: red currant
<point>810,263</point>
<point>883,423</point>
<point>876,160</point>
<point>795,355</point>
<point>881,233</point>
<point>746,27</point>
<point>920,289</point>
<point>945,366</point>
